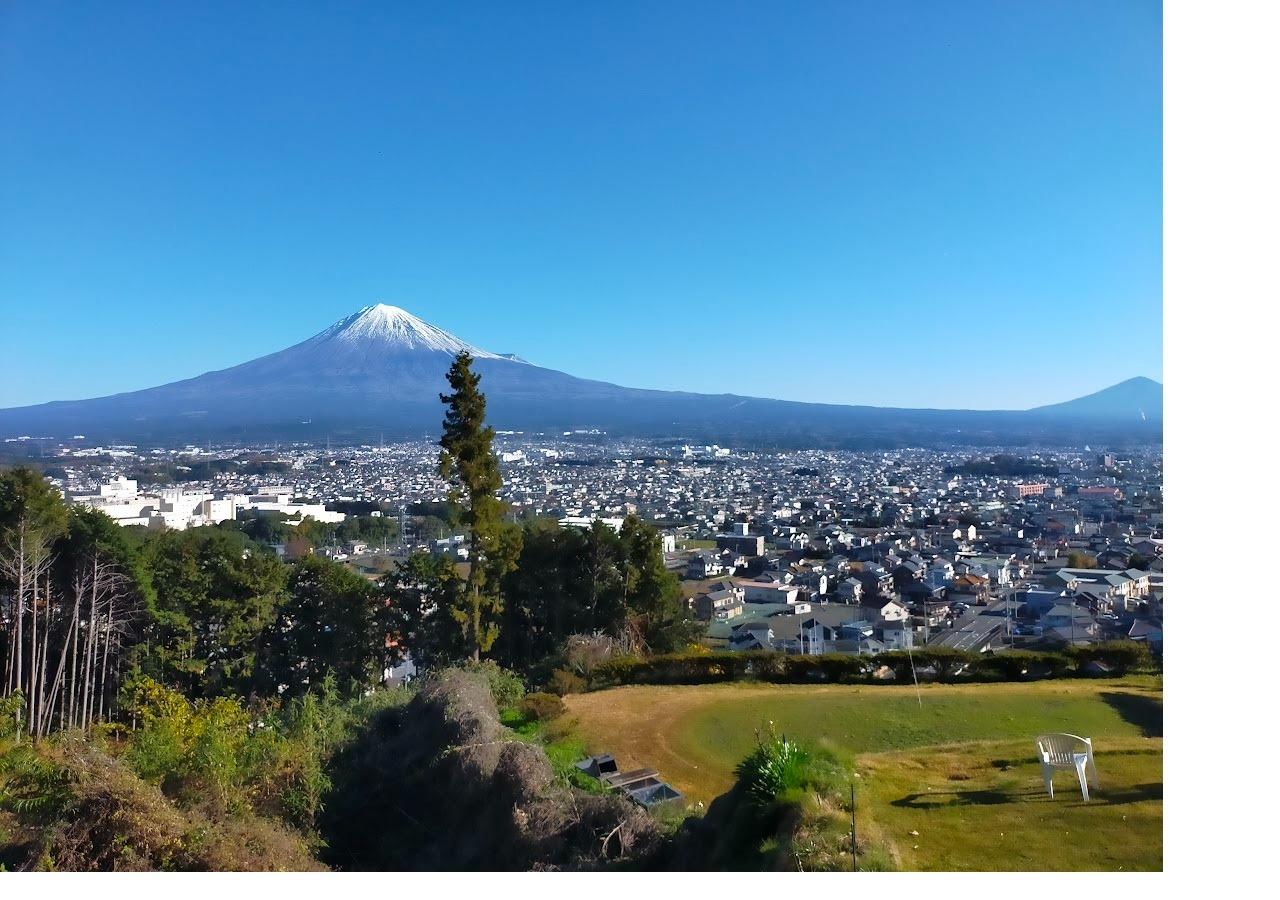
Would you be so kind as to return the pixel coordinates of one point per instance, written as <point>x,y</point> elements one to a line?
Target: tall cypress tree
<point>468,463</point>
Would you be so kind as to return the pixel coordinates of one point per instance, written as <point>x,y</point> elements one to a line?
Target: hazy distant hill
<point>379,372</point>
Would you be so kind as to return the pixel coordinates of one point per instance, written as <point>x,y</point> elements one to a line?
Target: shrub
<point>188,744</point>
<point>564,682</point>
<point>542,707</point>
<point>827,667</point>
<point>1018,665</point>
<point>1118,656</point>
<point>506,686</point>
<point>775,766</point>
<point>946,662</point>
<point>31,786</point>
<point>584,653</point>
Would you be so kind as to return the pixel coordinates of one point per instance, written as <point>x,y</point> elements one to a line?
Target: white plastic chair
<point>1067,751</point>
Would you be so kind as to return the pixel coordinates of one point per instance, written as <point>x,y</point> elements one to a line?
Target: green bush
<point>506,686</point>
<point>273,759</point>
<point>775,766</point>
<point>542,707</point>
<point>563,682</point>
<point>31,787</point>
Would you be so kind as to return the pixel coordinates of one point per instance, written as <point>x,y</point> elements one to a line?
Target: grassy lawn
<point>956,768</point>
<point>971,814</point>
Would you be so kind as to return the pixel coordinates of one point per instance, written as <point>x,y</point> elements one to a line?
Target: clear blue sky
<point>950,203</point>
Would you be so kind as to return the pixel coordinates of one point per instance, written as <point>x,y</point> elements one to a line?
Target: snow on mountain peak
<point>396,328</point>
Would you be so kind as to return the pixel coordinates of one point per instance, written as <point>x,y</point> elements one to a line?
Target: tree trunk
<point>22,594</point>
<point>74,672</point>
<point>60,675</point>
<point>106,656</point>
<point>86,680</point>
<point>42,699</point>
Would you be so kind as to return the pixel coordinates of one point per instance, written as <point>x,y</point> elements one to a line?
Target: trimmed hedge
<point>931,664</point>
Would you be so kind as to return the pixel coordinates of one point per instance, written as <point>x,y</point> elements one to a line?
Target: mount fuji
<point>380,372</point>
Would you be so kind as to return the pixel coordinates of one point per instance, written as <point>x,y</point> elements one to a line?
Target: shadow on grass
<point>1144,712</point>
<point>943,799</point>
<point>1104,753</point>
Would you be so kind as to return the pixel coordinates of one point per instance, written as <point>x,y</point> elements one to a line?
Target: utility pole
<point>1008,612</point>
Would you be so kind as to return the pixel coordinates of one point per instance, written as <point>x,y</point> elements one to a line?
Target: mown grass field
<point>957,767</point>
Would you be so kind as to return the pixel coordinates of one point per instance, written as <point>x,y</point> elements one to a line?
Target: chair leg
<point>1046,772</point>
<point>1084,781</point>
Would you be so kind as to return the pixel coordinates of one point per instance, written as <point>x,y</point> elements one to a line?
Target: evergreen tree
<point>468,463</point>
<point>655,609</point>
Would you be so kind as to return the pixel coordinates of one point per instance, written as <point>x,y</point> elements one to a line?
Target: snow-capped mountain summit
<point>383,324</point>
<point>379,373</point>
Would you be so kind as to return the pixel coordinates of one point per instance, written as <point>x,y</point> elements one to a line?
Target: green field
<point>956,766</point>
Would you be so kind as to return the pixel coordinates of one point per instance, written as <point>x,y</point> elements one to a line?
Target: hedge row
<point>931,664</point>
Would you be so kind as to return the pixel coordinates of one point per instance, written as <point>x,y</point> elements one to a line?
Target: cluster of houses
<point>864,590</point>
<point>798,549</point>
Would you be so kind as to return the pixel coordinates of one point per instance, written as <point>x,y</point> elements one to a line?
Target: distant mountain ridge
<point>379,372</point>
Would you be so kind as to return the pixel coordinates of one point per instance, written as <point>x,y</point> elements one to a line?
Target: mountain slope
<point>380,371</point>
<point>1138,399</point>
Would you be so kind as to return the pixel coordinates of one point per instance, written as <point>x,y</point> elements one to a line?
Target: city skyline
<point>909,210</point>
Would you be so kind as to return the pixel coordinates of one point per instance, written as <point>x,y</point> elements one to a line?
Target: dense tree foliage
<point>570,581</point>
<point>1003,464</point>
<point>325,629</point>
<point>419,595</point>
<point>274,528</point>
<point>32,519</point>
<point>215,596</point>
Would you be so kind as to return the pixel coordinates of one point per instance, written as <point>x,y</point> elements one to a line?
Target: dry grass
<point>114,821</point>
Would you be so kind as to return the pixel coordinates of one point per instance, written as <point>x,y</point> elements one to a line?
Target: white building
<point>280,500</point>
<point>173,507</point>
<point>178,508</point>
<point>585,522</point>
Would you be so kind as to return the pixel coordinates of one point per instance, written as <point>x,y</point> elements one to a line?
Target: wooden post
<point>853,826</point>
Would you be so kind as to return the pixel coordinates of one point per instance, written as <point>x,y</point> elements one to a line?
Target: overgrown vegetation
<point>788,810</point>
<point>70,805</point>
<point>449,781</point>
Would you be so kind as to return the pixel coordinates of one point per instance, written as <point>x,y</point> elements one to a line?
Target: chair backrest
<point>1061,748</point>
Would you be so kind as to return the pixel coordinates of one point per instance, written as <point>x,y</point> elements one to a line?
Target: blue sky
<point>951,204</point>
